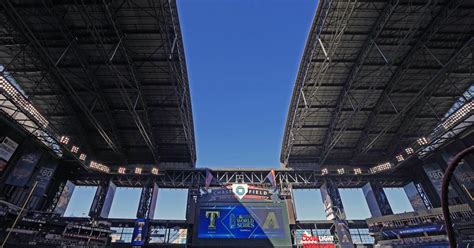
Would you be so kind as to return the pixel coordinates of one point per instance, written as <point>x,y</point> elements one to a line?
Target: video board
<point>240,221</point>
<point>241,216</point>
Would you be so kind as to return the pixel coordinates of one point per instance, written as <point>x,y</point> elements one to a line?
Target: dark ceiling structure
<point>109,75</point>
<point>375,77</point>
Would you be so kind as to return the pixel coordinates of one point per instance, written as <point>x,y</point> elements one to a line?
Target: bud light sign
<point>321,241</point>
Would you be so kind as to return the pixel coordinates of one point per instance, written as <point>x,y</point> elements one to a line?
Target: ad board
<point>63,200</point>
<point>241,215</point>
<point>7,148</point>
<point>239,221</point>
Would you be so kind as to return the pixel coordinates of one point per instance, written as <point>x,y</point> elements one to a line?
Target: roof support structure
<point>330,140</point>
<point>178,74</point>
<point>86,68</point>
<point>122,82</point>
<point>407,62</point>
<point>43,54</point>
<point>416,103</point>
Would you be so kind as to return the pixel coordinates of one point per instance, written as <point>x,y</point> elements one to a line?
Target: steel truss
<point>48,50</point>
<point>403,38</point>
<point>284,179</point>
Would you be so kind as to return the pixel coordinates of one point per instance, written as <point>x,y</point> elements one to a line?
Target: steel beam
<point>196,179</point>
<point>406,63</point>
<point>16,19</point>
<point>330,141</point>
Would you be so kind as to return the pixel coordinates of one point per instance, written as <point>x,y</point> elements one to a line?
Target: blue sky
<point>242,59</point>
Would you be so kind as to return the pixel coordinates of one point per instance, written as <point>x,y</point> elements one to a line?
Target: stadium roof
<point>110,75</point>
<point>376,76</point>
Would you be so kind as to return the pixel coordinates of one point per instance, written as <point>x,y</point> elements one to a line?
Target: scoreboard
<point>249,221</point>
<point>256,221</point>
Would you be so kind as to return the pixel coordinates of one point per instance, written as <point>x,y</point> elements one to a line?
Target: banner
<point>208,179</point>
<point>7,148</point>
<point>43,176</point>
<point>435,174</point>
<point>376,200</point>
<point>332,202</point>
<point>414,197</point>
<point>23,168</point>
<point>64,198</point>
<point>139,232</point>
<point>343,235</point>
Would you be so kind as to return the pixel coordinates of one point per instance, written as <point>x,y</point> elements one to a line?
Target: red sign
<point>309,241</point>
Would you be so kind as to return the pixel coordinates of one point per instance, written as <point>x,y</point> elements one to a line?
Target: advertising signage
<point>241,215</point>
<point>413,230</point>
<point>242,222</point>
<point>321,241</point>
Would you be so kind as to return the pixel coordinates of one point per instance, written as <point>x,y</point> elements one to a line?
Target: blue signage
<point>139,232</point>
<point>24,168</point>
<point>413,230</point>
<point>43,177</point>
<point>242,222</point>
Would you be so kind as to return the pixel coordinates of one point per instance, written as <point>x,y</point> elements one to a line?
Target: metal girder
<point>180,74</point>
<point>425,94</point>
<point>298,95</point>
<point>143,126</point>
<point>22,27</point>
<point>196,179</point>
<point>406,63</point>
<point>123,84</point>
<point>332,138</point>
<point>86,68</point>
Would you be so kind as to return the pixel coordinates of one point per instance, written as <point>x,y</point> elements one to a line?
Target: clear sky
<point>242,59</point>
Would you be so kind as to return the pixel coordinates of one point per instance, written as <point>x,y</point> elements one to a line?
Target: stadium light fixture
<point>459,114</point>
<point>357,171</point>
<point>18,98</point>
<point>82,156</point>
<point>400,158</point>
<point>422,141</point>
<point>340,171</point>
<point>74,149</point>
<point>154,171</point>
<point>381,167</point>
<point>99,167</point>
<point>138,170</point>
<point>409,150</point>
<point>64,140</point>
<point>121,170</point>
<point>324,171</point>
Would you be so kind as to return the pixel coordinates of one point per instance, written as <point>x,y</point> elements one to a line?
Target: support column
<point>417,196</point>
<point>147,204</point>
<point>61,199</point>
<point>376,200</point>
<point>103,200</point>
<point>335,212</point>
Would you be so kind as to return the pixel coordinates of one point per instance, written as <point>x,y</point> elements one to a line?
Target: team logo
<point>240,190</point>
